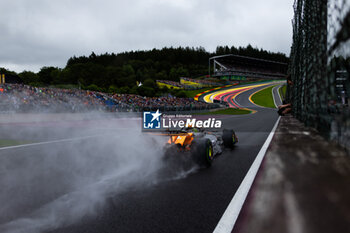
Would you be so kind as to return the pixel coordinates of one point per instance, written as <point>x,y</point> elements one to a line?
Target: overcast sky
<point>36,33</point>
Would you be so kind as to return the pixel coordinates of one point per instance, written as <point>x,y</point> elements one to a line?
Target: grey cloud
<point>41,32</point>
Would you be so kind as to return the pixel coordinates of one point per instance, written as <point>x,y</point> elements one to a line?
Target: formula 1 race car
<point>200,144</point>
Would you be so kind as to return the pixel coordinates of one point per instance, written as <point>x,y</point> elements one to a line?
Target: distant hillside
<point>123,70</point>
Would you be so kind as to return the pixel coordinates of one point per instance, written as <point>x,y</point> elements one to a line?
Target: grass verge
<point>264,97</point>
<point>282,91</point>
<point>227,111</point>
<point>9,142</point>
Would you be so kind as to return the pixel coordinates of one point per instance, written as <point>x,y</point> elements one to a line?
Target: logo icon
<point>151,120</point>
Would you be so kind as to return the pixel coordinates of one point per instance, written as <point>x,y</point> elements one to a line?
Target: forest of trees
<point>120,72</point>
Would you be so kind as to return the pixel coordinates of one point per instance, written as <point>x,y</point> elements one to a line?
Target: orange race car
<point>200,144</point>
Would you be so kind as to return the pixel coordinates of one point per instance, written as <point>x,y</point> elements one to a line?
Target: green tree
<point>29,77</point>
<point>128,76</point>
<point>146,91</point>
<point>124,90</point>
<point>56,75</point>
<point>113,89</point>
<point>176,73</point>
<point>47,74</point>
<point>93,87</point>
<point>162,75</point>
<point>149,83</point>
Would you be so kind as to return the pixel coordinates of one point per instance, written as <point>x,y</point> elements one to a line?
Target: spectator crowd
<point>196,83</point>
<point>140,103</point>
<point>171,83</point>
<point>23,98</point>
<point>202,82</point>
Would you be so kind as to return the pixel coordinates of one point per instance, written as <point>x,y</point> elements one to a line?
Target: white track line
<point>228,219</point>
<point>50,142</point>
<point>279,94</point>
<point>273,96</point>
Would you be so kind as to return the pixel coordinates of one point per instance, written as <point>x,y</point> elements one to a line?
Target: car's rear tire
<point>229,138</point>
<point>202,152</point>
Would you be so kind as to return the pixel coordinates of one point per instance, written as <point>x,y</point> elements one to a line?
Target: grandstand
<point>187,84</point>
<point>234,67</point>
<point>169,84</point>
<point>200,83</point>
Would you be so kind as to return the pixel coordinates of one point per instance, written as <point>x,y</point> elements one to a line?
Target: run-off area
<point>69,169</point>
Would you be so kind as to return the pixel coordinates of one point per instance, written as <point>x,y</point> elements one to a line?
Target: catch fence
<point>320,67</point>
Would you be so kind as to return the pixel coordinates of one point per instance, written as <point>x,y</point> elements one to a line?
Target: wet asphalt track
<point>192,204</point>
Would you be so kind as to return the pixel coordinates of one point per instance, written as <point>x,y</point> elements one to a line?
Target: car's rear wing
<point>170,133</point>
